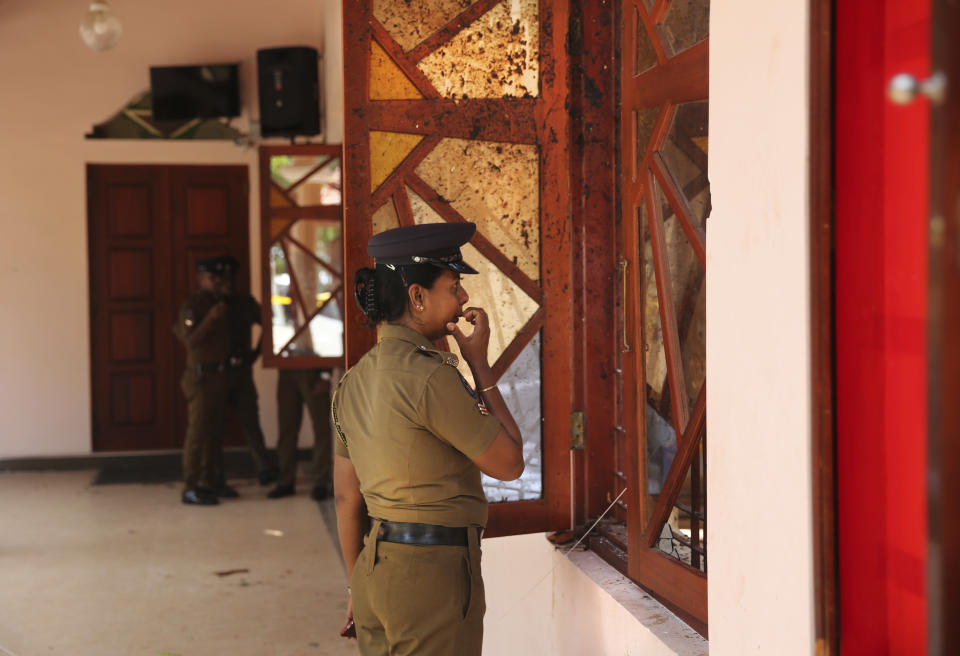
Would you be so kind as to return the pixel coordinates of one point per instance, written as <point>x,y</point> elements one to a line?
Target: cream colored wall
<point>53,90</point>
<point>541,602</point>
<point>758,331</point>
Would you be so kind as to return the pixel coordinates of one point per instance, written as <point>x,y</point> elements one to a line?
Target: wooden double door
<point>147,227</point>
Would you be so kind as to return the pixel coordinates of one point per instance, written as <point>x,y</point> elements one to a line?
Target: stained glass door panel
<point>428,145</point>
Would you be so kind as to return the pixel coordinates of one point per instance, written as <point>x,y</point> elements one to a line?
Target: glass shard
<point>497,55</point>
<point>686,24</point>
<point>496,186</point>
<point>387,151</point>
<point>520,387</point>
<point>646,120</point>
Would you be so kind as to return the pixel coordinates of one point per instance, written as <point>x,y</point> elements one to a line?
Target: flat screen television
<point>187,92</point>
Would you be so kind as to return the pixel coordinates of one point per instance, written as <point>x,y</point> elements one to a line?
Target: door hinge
<point>576,430</point>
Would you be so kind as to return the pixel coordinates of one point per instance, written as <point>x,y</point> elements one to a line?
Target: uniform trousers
<point>418,600</point>
<point>296,388</point>
<point>208,395</point>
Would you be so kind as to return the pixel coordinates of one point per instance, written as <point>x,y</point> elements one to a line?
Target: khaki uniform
<point>218,373</point>
<point>410,425</point>
<point>296,388</point>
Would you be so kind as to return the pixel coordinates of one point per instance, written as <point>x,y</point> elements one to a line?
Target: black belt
<point>219,367</point>
<point>428,534</point>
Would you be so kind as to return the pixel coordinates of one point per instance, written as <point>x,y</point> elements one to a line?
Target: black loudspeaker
<point>289,91</point>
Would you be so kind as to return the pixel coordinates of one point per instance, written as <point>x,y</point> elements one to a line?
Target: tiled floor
<point>127,570</point>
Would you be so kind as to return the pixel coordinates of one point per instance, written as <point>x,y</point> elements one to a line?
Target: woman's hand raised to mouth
<point>473,346</point>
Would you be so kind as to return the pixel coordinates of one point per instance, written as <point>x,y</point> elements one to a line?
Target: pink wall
<point>881,205</point>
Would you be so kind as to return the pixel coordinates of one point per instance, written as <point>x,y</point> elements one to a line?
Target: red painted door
<point>882,210</point>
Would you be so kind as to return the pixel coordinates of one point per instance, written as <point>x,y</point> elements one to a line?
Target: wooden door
<point>665,200</point>
<point>147,227</point>
<point>455,111</point>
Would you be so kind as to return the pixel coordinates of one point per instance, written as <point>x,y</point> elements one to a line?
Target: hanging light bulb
<point>100,29</point>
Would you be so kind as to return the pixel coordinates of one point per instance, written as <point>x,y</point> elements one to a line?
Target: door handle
<point>904,88</point>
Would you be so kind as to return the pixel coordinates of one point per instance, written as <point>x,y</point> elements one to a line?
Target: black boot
<point>281,491</point>
<point>198,497</point>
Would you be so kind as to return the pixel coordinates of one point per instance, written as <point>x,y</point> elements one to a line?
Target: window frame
<point>265,153</point>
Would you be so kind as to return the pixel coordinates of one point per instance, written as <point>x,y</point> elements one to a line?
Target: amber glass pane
<point>685,155</point>
<point>688,286</point>
<point>686,24</point>
<point>278,199</point>
<point>385,218</point>
<point>277,226</point>
<point>409,23</point>
<point>496,56</point>
<point>521,386</point>
<point>645,56</point>
<point>645,120</point>
<point>495,185</point>
<point>387,80</point>
<point>387,150</point>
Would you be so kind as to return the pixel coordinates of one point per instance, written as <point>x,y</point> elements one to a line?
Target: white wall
<point>54,90</point>
<point>758,331</point>
<point>541,602</point>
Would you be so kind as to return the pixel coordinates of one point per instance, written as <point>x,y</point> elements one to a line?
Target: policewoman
<point>412,440</point>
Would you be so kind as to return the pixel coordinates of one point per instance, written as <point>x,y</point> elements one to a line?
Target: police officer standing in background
<point>297,388</point>
<point>215,327</point>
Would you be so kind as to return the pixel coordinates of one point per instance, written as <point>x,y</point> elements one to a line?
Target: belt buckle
<point>235,361</point>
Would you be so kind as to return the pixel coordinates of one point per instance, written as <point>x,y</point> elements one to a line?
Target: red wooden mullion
<point>401,200</point>
<point>283,192</point>
<point>685,78</point>
<point>668,314</point>
<point>442,36</point>
<point>309,174</point>
<point>295,294</point>
<point>399,57</point>
<point>500,119</point>
<point>330,269</point>
<point>649,23</point>
<point>518,343</point>
<point>659,10</point>
<point>691,227</point>
<point>393,181</point>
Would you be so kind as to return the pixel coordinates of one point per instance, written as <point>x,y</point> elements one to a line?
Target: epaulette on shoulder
<point>441,356</point>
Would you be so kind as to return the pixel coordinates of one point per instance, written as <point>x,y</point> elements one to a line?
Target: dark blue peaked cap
<point>429,243</point>
<point>218,264</point>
